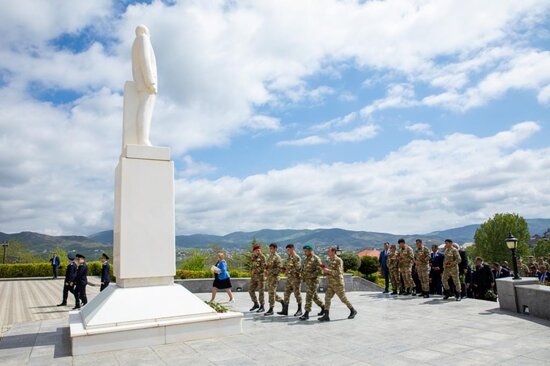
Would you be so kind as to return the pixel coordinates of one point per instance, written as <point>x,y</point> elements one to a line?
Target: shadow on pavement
<point>59,339</point>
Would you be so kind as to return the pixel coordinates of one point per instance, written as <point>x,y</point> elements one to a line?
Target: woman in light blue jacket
<point>222,281</point>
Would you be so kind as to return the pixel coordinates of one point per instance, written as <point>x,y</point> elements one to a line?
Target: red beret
<point>256,247</point>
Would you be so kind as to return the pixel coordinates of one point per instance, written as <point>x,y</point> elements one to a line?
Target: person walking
<point>311,273</point>
<point>81,281</point>
<point>383,260</point>
<point>257,270</point>
<point>273,268</point>
<point>54,260</point>
<point>422,264</point>
<point>222,280</point>
<point>70,276</point>
<point>105,272</point>
<point>335,278</point>
<point>292,269</point>
<point>450,270</point>
<point>406,259</point>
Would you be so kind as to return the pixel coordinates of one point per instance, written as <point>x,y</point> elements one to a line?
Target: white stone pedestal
<point>145,307</point>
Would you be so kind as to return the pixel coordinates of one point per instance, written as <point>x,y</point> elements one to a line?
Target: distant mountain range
<point>347,239</point>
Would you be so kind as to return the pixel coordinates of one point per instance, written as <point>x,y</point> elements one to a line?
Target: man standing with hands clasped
<point>105,275</point>
<point>311,271</point>
<point>450,270</point>
<point>422,262</point>
<point>335,277</point>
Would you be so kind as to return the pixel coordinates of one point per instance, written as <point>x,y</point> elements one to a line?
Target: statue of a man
<point>144,72</point>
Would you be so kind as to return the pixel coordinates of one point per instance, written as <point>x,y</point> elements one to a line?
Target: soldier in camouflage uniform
<point>406,258</point>
<point>311,271</point>
<point>531,262</point>
<point>335,278</point>
<point>450,270</point>
<point>292,268</point>
<point>422,263</point>
<point>273,268</point>
<point>393,265</point>
<point>522,268</point>
<point>257,269</point>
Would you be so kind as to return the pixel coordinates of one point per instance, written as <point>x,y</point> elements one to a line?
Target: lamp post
<point>5,245</point>
<point>512,244</point>
<point>338,250</point>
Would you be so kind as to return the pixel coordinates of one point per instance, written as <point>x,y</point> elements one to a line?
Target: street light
<point>512,244</point>
<point>5,245</point>
<point>338,250</point>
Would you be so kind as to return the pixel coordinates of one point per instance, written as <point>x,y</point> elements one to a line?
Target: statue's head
<point>141,29</point>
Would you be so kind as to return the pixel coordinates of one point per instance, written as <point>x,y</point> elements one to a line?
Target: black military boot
<point>446,294</point>
<point>284,311</point>
<point>407,291</point>
<point>426,295</point>
<point>325,317</point>
<point>62,304</point>
<point>413,291</point>
<point>299,312</point>
<point>305,316</point>
<point>322,312</point>
<point>394,292</point>
<point>261,309</point>
<point>269,312</point>
<point>256,306</point>
<point>352,313</point>
<point>457,296</point>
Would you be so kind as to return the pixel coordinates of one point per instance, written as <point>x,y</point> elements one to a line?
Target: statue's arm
<point>147,61</point>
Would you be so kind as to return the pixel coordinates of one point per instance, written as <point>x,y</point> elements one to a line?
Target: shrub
<point>187,274</point>
<point>369,265</point>
<point>351,261</point>
<point>25,270</point>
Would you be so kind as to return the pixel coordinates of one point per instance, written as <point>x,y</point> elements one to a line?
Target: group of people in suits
<point>76,279</point>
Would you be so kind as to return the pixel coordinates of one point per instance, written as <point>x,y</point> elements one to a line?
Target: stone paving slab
<point>387,331</point>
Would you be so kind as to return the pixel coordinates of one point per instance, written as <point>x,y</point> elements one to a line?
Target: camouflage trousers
<point>394,277</point>
<point>406,273</point>
<point>272,283</point>
<point>256,284</point>
<point>338,290</point>
<point>423,273</point>
<point>311,293</point>
<point>451,272</point>
<point>293,286</point>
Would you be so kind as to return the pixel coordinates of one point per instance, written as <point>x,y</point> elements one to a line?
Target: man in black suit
<point>55,262</point>
<point>436,268</point>
<point>70,275</point>
<point>499,272</point>
<point>483,279</point>
<point>105,275</point>
<point>81,281</point>
<point>383,260</point>
<point>463,269</point>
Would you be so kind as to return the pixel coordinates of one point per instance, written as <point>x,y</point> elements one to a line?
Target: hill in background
<point>347,239</point>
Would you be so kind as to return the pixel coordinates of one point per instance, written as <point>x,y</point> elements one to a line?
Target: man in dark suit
<point>436,269</point>
<point>499,272</point>
<point>81,281</point>
<point>483,279</point>
<point>70,275</point>
<point>463,269</point>
<point>383,260</point>
<point>54,260</point>
<point>105,275</point>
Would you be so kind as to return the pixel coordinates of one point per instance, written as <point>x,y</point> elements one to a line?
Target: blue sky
<point>393,116</point>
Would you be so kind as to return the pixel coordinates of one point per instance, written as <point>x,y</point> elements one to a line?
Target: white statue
<point>144,72</point>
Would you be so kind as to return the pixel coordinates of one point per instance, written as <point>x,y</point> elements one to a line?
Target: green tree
<point>490,237</point>
<point>17,252</point>
<point>351,261</point>
<point>197,261</point>
<point>369,265</point>
<point>542,249</point>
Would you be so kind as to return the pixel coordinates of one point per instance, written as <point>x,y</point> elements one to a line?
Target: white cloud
<point>260,122</point>
<point>357,134</point>
<point>421,128</point>
<point>306,141</point>
<point>424,185</point>
<point>398,96</point>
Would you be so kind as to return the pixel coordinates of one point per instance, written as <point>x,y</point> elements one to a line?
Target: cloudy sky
<point>399,116</point>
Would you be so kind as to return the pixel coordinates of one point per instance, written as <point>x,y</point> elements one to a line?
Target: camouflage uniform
<point>257,278</point>
<point>336,282</point>
<point>450,269</point>
<point>523,270</point>
<point>293,278</point>
<point>406,258</point>
<point>422,260</point>
<point>393,266</point>
<point>273,268</point>
<point>311,271</point>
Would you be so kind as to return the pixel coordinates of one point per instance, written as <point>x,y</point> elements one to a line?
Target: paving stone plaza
<point>387,331</point>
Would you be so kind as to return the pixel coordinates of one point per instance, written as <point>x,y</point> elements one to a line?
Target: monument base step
<point>146,316</point>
